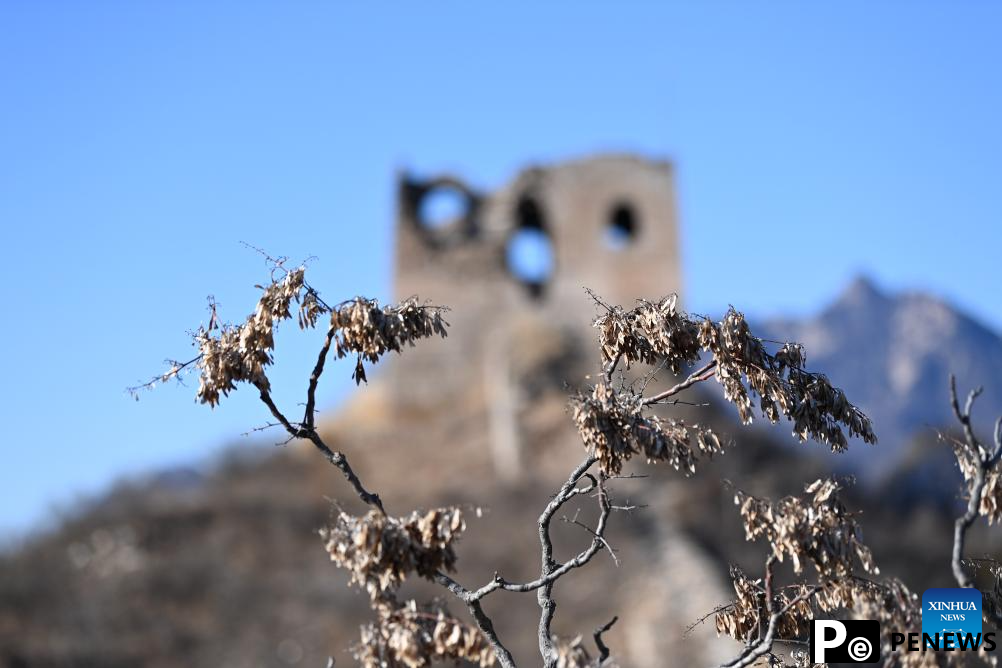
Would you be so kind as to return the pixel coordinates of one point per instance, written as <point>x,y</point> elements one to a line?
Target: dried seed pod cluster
<point>747,615</point>
<point>889,602</point>
<point>371,331</point>
<point>412,636</point>
<point>240,353</point>
<point>784,388</point>
<point>368,330</point>
<point>230,354</point>
<point>969,462</point>
<point>661,333</point>
<point>649,333</point>
<point>380,551</point>
<point>814,528</point>
<point>613,427</point>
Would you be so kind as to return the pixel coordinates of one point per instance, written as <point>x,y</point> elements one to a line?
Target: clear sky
<point>140,142</point>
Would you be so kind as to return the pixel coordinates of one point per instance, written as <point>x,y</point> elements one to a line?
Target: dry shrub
<point>381,551</point>
<point>815,528</point>
<point>413,636</point>
<point>614,427</point>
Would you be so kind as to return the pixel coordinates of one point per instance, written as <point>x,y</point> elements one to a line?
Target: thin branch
<point>697,376</point>
<point>965,521</point>
<point>296,431</point>
<point>311,392</point>
<point>984,462</point>
<point>612,368</point>
<point>550,573</point>
<point>595,535</point>
<point>711,613</point>
<point>544,595</point>
<point>603,650</point>
<point>173,372</point>
<point>336,458</point>
<point>964,416</point>
<point>486,627</point>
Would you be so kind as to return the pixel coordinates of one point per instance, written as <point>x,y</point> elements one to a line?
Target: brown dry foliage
<point>815,528</point>
<point>413,636</point>
<point>229,354</point>
<point>991,495</point>
<point>661,333</point>
<point>614,427</point>
<point>379,551</point>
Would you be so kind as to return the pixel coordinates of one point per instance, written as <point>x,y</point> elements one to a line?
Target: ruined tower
<point>607,223</point>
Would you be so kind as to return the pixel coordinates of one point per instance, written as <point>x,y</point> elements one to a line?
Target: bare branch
<point>981,464</point>
<point>611,369</point>
<point>173,373</point>
<point>544,595</point>
<point>296,431</point>
<point>964,415</point>
<point>336,458</point>
<point>311,392</point>
<point>697,376</point>
<point>603,650</point>
<point>486,627</point>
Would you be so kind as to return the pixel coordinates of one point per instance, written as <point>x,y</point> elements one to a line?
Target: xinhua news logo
<point>953,613</point>
<point>854,641</point>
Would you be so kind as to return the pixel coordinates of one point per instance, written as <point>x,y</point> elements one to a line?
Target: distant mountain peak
<point>893,354</point>
<point>861,291</point>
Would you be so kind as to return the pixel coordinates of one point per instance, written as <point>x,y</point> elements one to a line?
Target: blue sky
<point>140,142</point>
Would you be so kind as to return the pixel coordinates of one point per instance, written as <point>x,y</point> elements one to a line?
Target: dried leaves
<point>784,388</point>
<point>230,354</point>
<point>412,636</point>
<point>365,328</point>
<point>240,353</point>
<point>814,528</point>
<point>649,333</point>
<point>660,332</point>
<point>614,427</point>
<point>381,551</point>
<point>747,615</point>
<point>970,461</point>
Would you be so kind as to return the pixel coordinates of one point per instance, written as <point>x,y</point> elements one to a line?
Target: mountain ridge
<point>893,354</point>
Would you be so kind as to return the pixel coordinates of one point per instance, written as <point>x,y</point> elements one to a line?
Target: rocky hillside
<point>893,354</point>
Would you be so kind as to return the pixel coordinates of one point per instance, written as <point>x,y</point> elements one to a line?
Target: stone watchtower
<point>607,223</point>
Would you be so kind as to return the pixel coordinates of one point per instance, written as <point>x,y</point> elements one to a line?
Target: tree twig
<point>697,376</point>
<point>334,457</point>
<point>603,649</point>
<point>984,461</point>
<point>311,392</point>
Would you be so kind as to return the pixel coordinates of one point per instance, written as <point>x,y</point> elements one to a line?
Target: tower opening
<point>529,253</point>
<point>622,226</point>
